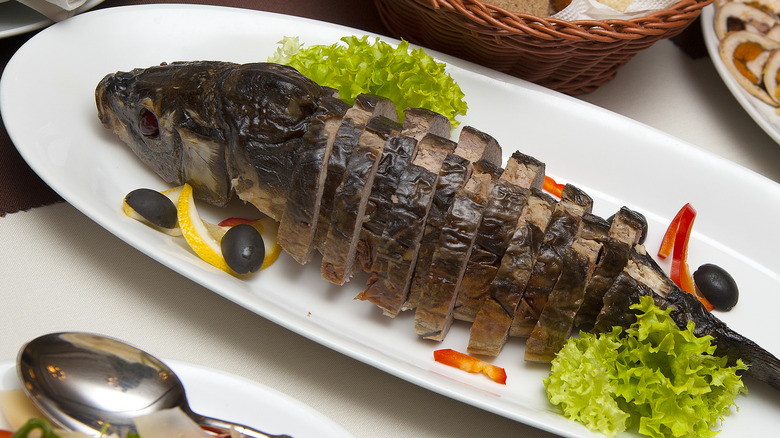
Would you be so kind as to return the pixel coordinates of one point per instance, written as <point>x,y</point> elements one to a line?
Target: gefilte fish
<point>443,227</point>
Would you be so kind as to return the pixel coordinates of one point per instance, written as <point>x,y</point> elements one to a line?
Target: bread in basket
<point>572,57</point>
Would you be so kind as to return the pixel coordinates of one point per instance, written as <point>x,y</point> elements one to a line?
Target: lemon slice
<point>205,238</point>
<point>202,237</point>
<point>173,194</point>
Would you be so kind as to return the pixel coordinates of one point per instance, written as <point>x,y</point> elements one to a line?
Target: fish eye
<point>147,123</point>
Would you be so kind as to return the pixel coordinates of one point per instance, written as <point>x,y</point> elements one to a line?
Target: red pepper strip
<point>680,273</point>
<point>233,221</point>
<point>470,364</point>
<point>668,241</point>
<point>5,433</point>
<point>552,187</point>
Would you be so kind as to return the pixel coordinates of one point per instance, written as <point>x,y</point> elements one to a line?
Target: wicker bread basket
<point>572,57</point>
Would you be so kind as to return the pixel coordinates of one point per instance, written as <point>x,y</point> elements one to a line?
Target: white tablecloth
<point>61,271</point>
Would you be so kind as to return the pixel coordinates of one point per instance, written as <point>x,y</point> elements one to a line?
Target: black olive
<point>243,249</point>
<point>717,286</point>
<point>147,123</point>
<point>153,206</point>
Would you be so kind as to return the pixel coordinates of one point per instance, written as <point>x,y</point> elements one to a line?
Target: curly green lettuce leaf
<point>654,377</point>
<point>411,79</point>
<point>582,383</point>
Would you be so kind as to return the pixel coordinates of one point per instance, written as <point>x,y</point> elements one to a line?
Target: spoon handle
<point>220,427</point>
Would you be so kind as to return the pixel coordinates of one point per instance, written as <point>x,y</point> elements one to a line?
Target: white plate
<point>16,18</point>
<point>46,98</point>
<point>764,115</point>
<point>221,395</point>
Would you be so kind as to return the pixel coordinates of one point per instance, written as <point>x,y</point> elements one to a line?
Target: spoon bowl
<point>97,385</point>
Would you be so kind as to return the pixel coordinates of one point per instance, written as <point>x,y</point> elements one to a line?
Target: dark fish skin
<point>763,366</point>
<point>556,321</point>
<point>167,90</point>
<point>433,316</point>
<point>626,292</point>
<point>396,157</point>
<point>297,227</point>
<point>454,173</point>
<point>391,272</point>
<point>351,199</point>
<point>491,325</point>
<point>238,130</point>
<point>266,110</point>
<point>560,234</point>
<point>499,220</point>
<point>218,122</point>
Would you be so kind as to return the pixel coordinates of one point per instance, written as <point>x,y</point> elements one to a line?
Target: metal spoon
<point>84,381</point>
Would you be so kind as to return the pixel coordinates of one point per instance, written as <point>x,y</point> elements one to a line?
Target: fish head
<point>166,114</point>
<point>133,108</point>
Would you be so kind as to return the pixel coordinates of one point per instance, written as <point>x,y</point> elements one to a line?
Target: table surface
<point>61,271</point>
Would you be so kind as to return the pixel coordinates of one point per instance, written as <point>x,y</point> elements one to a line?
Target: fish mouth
<point>110,94</point>
<point>103,102</point>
